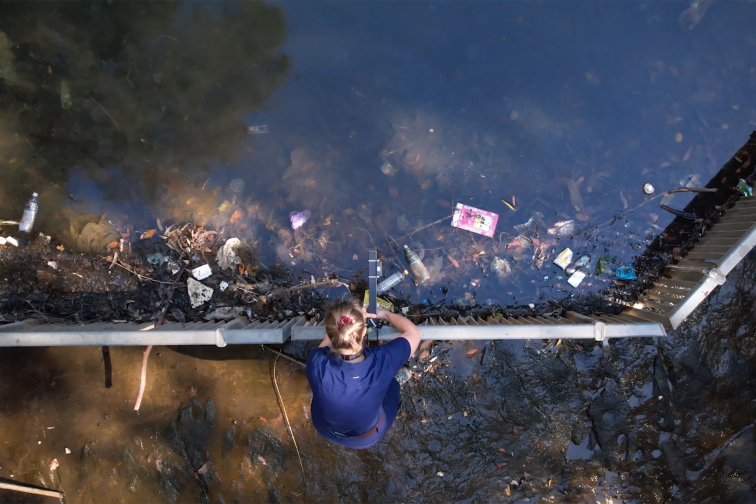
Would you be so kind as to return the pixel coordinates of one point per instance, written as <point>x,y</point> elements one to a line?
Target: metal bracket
<point>375,271</point>
<point>220,337</point>
<point>716,275</point>
<point>599,331</point>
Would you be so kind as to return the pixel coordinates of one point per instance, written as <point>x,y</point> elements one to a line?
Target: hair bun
<point>343,320</point>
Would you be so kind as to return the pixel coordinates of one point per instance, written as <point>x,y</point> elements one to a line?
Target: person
<point>355,392</point>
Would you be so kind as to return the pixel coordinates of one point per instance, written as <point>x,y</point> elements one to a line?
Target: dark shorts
<point>390,407</point>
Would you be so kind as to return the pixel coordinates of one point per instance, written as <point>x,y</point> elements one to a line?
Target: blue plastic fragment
<point>744,188</point>
<point>626,272</point>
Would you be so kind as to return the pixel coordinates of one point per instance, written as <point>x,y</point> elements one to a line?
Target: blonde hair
<point>345,325</point>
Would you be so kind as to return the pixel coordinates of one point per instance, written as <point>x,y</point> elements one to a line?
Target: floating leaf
<point>148,234</point>
<point>453,261</point>
<point>426,184</point>
<point>205,467</point>
<point>509,205</point>
<point>393,191</point>
<point>473,351</point>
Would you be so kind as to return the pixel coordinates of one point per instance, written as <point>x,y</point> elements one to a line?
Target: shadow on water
<point>113,102</point>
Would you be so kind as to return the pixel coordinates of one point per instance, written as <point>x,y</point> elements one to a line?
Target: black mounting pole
<point>375,271</point>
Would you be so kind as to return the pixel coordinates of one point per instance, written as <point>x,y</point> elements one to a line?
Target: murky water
<point>128,118</point>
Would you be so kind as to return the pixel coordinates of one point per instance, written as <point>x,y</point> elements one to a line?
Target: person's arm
<point>408,330</point>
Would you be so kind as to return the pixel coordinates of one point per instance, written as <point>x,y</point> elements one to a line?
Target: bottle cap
<point>34,195</point>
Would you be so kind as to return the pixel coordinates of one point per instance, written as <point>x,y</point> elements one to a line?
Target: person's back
<point>355,396</point>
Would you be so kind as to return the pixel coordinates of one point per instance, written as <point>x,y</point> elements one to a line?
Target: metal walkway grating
<point>686,284</point>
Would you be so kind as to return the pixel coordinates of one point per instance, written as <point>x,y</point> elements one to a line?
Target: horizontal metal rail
<point>574,326</point>
<point>240,331</point>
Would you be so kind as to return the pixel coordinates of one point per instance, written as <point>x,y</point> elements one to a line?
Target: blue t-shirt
<point>347,398</point>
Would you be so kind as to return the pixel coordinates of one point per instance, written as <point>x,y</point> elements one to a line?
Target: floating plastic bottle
<point>30,215</point>
<point>390,282</point>
<point>416,265</point>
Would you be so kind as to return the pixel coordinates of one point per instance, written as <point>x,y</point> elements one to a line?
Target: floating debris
<point>744,188</point>
<point>501,267</point>
<point>510,205</point>
<point>475,220</point>
<point>298,219</point>
<point>418,248</point>
<point>583,260</point>
<point>576,278</point>
<point>564,258</point>
<point>626,272</point>
<point>539,255</point>
<point>680,213</point>
<point>648,189</point>
<point>237,185</point>
<point>228,257</point>
<point>562,228</point>
<point>416,265</point>
<point>388,169</point>
<point>601,264</point>
<point>202,272</point>
<point>65,96</point>
<point>198,294</point>
<point>257,130</point>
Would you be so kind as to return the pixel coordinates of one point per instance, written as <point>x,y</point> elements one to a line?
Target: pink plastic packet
<point>475,220</point>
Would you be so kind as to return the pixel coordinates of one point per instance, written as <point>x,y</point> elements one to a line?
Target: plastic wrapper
<point>475,220</point>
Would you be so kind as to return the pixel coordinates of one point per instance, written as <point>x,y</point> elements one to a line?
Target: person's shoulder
<point>398,347</point>
<point>315,356</point>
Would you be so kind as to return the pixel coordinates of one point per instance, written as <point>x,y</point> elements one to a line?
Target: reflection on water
<point>125,110</point>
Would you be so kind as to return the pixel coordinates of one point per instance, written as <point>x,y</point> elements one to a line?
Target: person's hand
<point>382,314</point>
<point>367,315</point>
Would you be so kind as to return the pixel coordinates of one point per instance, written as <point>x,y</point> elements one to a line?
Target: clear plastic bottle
<point>390,282</point>
<point>416,265</point>
<point>30,215</point>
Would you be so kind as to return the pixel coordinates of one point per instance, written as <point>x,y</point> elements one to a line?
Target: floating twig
<point>680,213</point>
<point>103,108</point>
<point>169,37</point>
<point>428,225</point>
<point>140,277</point>
<point>31,490</point>
<point>693,189</point>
